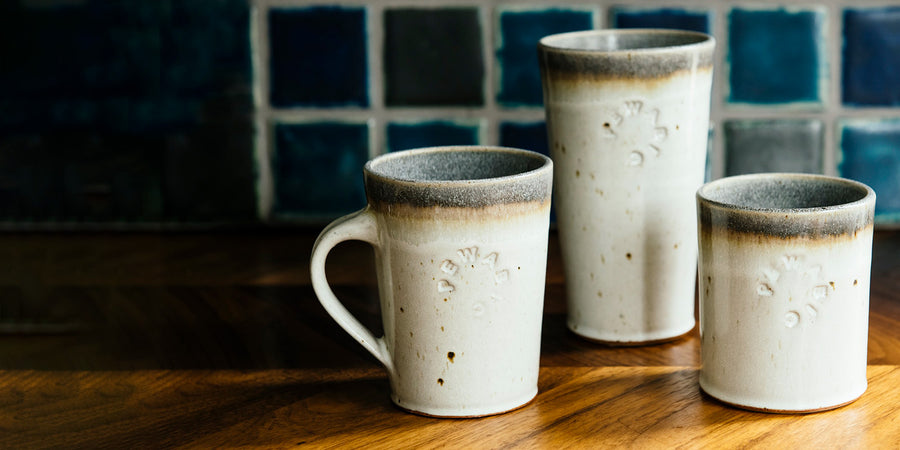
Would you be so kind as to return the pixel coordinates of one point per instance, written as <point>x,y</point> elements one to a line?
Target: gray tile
<point>753,146</point>
<point>433,57</point>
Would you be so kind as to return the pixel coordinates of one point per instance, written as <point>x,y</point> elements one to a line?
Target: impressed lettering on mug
<point>470,267</point>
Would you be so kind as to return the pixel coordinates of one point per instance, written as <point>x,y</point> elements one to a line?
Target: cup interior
<point>783,191</point>
<point>456,164</point>
<point>622,40</point>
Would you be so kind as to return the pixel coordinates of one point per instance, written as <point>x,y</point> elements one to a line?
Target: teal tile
<point>525,135</point>
<point>776,56</point>
<point>519,31</point>
<point>655,17</point>
<point>317,168</point>
<point>869,151</point>
<point>409,135</point>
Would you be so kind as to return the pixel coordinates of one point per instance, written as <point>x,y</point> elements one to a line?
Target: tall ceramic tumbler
<point>460,237</point>
<point>628,120</point>
<point>785,261</point>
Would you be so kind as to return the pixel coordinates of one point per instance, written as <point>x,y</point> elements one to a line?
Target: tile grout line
<point>265,186</point>
<point>375,42</point>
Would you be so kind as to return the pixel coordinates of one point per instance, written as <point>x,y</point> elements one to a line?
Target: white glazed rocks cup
<point>460,237</point>
<point>628,121</point>
<point>784,290</point>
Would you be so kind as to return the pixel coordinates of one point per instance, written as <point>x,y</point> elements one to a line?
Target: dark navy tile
<point>433,57</point>
<point>95,179</point>
<point>754,146</point>
<point>870,153</point>
<point>525,135</point>
<point>317,168</point>
<point>405,136</point>
<point>318,56</point>
<point>776,56</point>
<point>674,18</point>
<point>121,67</point>
<point>871,70</point>
<point>519,31</point>
<point>128,111</point>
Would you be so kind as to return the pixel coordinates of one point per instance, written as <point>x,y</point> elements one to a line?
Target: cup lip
<point>703,39</point>
<point>704,191</point>
<point>546,165</point>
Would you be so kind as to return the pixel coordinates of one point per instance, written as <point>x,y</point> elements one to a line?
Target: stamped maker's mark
<point>469,257</point>
<point>809,291</point>
<point>632,119</point>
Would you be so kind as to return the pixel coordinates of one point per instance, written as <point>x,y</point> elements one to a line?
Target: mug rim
<point>703,193</point>
<point>370,168</point>
<point>703,39</point>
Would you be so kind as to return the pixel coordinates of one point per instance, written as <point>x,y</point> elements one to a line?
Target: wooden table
<point>216,340</point>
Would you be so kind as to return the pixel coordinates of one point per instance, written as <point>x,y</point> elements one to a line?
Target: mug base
<point>778,410</point>
<point>449,413</point>
<point>633,343</point>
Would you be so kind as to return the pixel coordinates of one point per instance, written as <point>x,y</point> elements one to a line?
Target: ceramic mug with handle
<point>460,237</point>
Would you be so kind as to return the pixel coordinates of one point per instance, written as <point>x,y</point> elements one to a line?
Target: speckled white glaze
<point>627,116</point>
<point>784,290</point>
<point>461,270</point>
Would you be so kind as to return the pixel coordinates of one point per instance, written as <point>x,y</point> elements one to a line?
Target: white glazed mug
<point>628,121</point>
<point>785,261</point>
<point>460,237</point>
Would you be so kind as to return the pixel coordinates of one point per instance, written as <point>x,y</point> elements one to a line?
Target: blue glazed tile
<point>870,153</point>
<point>405,136</point>
<point>129,111</point>
<point>776,56</point>
<point>675,18</point>
<point>317,168</point>
<point>123,67</point>
<point>525,135</point>
<point>519,32</point>
<point>318,56</point>
<point>871,71</point>
<point>95,181</point>
<point>754,146</point>
<point>433,57</point>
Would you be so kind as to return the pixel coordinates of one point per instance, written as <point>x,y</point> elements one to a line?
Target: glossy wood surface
<point>217,340</point>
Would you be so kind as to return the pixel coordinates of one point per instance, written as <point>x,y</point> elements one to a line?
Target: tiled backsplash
<point>141,113</point>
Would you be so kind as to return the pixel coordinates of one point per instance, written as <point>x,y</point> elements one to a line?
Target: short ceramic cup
<point>460,237</point>
<point>784,290</point>
<point>628,124</point>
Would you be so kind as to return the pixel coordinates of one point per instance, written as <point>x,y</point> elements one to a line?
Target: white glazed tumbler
<point>628,121</point>
<point>785,262</point>
<point>460,237</point>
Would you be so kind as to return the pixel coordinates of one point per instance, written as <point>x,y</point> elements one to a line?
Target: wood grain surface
<point>207,340</point>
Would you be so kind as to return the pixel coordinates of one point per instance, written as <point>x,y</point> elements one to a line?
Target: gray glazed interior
<point>622,40</point>
<point>632,53</point>
<point>770,192</point>
<point>458,176</point>
<point>456,164</point>
<point>786,205</point>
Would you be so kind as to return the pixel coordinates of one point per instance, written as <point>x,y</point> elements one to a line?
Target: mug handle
<point>359,226</point>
